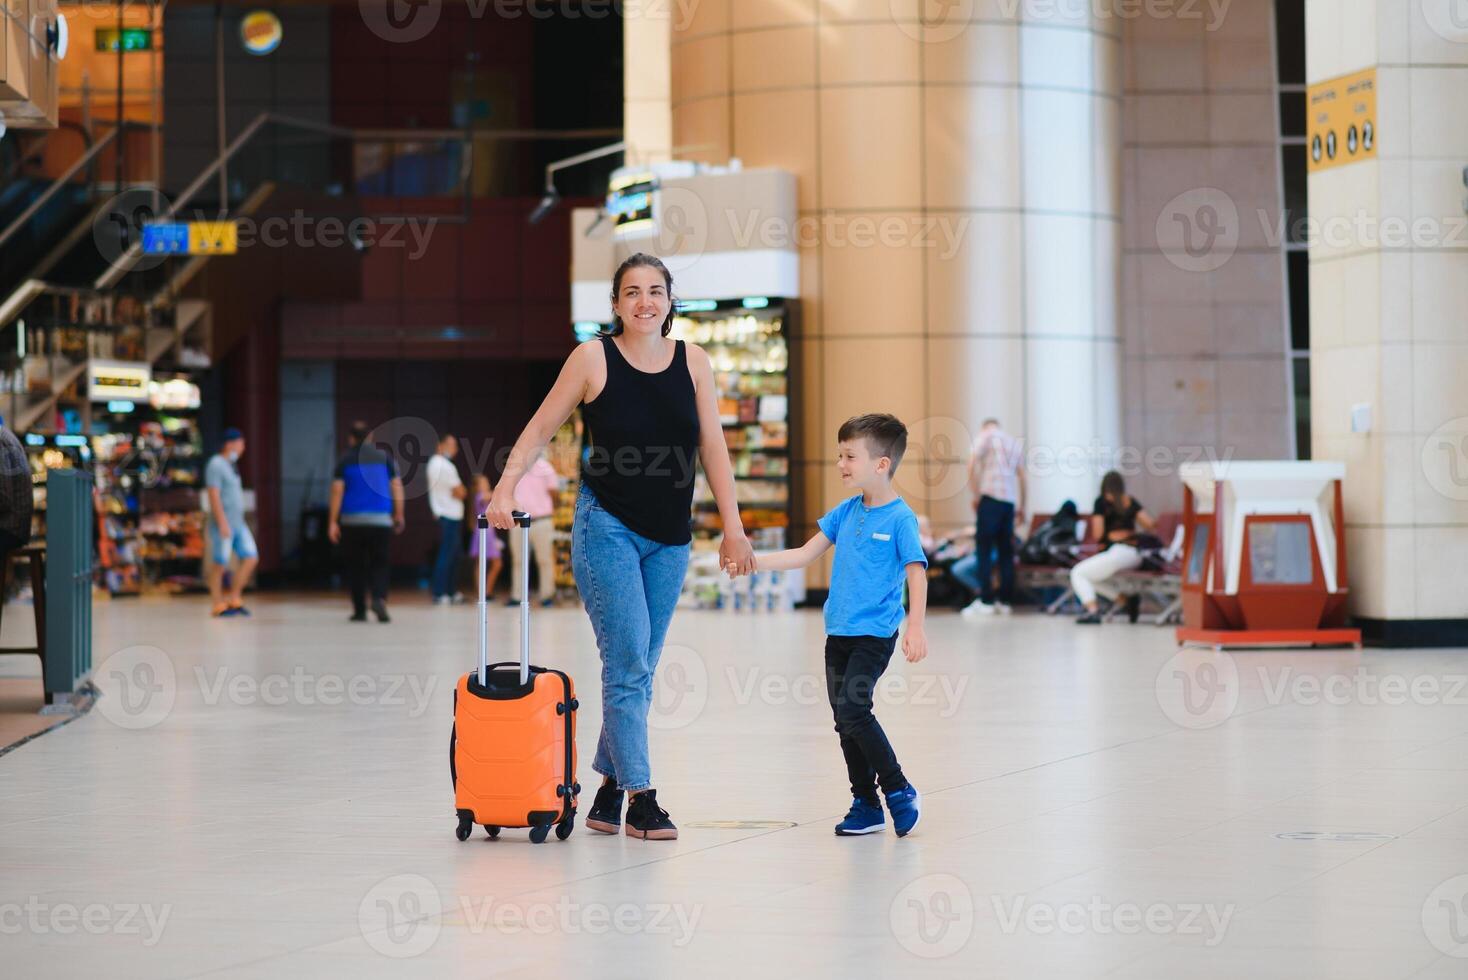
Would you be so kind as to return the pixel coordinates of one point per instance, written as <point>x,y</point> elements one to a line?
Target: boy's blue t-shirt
<point>874,546</point>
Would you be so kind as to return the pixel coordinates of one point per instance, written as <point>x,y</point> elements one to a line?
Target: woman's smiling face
<point>643,301</point>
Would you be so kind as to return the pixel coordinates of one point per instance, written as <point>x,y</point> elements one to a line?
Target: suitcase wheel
<point>564,828</point>
<point>465,828</point>
<point>539,834</point>
<point>492,831</point>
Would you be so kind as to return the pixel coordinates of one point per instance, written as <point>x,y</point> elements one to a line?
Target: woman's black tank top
<point>642,446</point>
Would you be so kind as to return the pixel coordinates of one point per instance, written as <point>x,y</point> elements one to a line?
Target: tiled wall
<point>1205,334</point>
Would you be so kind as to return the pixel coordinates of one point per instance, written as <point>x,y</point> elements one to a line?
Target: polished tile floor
<point>270,798</point>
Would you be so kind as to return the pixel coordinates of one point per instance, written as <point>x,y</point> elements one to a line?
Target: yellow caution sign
<point>213,238</point>
<point>1342,120</point>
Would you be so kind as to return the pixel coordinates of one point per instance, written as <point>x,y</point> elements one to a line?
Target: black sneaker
<point>606,810</point>
<point>1090,619</point>
<point>647,820</point>
<point>360,616</point>
<point>1133,607</point>
<point>379,609</point>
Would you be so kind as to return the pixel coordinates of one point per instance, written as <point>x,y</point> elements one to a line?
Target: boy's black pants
<point>854,664</point>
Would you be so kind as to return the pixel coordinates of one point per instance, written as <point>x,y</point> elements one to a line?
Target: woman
<point>650,406</point>
<point>1114,521</point>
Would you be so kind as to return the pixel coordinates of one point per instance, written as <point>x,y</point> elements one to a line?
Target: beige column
<point>1389,299</point>
<point>647,123</point>
<point>959,217</point>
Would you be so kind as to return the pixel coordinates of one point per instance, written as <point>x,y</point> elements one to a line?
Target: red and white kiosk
<point>1264,560</point>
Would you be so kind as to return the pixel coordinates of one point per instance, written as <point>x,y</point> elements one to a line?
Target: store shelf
<point>749,349</point>
<point>148,475</point>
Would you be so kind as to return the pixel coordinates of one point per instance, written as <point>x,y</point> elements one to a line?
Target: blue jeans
<point>450,548</point>
<point>966,571</point>
<point>995,531</point>
<point>630,585</point>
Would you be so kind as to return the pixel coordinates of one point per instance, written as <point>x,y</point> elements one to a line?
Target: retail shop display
<point>46,453</point>
<point>150,468</point>
<point>564,455</point>
<point>747,341</point>
<point>106,381</point>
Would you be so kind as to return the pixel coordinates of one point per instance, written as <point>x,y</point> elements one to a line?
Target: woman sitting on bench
<point>1114,522</point>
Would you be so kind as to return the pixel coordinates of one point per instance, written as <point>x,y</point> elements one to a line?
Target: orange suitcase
<point>512,750</point>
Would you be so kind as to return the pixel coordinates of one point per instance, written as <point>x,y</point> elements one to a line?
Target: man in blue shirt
<point>366,510</point>
<point>229,535</point>
<point>878,546</point>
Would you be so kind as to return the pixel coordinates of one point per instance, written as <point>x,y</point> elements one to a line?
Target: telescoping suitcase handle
<point>522,520</point>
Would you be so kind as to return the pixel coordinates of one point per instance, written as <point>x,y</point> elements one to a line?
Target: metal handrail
<point>65,178</point>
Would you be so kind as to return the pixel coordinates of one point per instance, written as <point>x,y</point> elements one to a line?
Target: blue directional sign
<point>166,239</point>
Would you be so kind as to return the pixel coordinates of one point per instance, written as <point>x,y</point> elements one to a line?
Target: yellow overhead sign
<point>213,238</point>
<point>1342,120</point>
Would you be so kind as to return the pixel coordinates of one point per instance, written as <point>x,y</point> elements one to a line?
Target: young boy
<point>877,543</point>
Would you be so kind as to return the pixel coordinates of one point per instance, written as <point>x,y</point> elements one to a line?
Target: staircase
<point>80,253</point>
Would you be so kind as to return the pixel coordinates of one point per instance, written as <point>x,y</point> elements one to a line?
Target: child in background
<point>482,494</point>
<point>877,546</point>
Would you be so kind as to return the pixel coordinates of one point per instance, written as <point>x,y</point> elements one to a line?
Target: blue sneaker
<point>906,808</point>
<point>862,818</point>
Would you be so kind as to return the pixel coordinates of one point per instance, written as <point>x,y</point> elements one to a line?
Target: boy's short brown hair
<point>885,436</point>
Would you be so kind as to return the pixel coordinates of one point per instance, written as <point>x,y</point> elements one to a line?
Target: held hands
<point>731,569</point>
<point>736,555</point>
<point>915,644</point>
